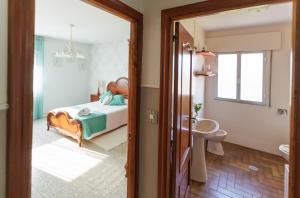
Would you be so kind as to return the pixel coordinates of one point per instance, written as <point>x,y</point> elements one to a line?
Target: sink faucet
<point>194,119</point>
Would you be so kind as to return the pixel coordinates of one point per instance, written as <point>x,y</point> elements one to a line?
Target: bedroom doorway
<point>82,137</point>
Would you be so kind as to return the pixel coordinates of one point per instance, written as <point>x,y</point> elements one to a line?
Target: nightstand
<point>94,97</point>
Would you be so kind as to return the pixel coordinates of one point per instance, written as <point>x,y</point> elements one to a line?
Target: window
<point>244,77</point>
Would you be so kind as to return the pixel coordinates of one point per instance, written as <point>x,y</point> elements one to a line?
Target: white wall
<point>65,81</point>
<point>136,4</point>
<point>152,34</point>
<point>108,62</point>
<point>257,127</point>
<point>150,78</point>
<point>198,82</point>
<point>3,88</point>
<point>3,52</point>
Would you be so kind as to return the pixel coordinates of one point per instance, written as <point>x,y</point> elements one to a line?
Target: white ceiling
<point>261,15</point>
<point>92,25</point>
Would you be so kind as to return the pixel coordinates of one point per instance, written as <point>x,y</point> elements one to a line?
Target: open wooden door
<point>181,147</point>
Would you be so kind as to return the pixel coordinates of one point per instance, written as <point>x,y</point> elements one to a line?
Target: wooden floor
<point>242,173</point>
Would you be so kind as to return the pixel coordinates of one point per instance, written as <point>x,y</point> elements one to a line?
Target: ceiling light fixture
<point>69,51</point>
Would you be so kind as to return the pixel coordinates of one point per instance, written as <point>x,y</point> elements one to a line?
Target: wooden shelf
<point>201,73</point>
<point>205,53</point>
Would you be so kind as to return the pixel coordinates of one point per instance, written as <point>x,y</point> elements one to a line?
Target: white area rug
<point>112,139</point>
<point>61,169</point>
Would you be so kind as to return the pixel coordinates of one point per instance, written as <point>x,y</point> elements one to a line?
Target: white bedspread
<point>116,115</point>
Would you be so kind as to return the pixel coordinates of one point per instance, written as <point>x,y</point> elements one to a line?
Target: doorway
<point>21,50</point>
<point>80,72</point>
<point>184,12</point>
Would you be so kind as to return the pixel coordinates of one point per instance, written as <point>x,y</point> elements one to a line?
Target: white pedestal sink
<point>203,128</point>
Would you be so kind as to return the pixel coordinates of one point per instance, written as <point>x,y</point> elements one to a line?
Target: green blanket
<point>92,123</point>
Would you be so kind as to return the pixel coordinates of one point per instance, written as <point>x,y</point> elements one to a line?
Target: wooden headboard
<point>120,86</point>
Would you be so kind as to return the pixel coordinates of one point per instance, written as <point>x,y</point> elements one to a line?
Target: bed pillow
<point>107,100</point>
<point>126,101</point>
<point>107,93</point>
<point>117,100</point>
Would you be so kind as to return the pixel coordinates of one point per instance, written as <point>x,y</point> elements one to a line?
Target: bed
<point>66,121</point>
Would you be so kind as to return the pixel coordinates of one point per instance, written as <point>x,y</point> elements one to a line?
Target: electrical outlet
<point>152,116</point>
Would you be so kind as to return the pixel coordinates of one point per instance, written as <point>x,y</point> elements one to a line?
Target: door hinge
<point>171,152</point>
<point>172,144</point>
<point>174,38</point>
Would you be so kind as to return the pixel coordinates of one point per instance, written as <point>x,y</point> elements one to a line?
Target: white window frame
<point>266,101</point>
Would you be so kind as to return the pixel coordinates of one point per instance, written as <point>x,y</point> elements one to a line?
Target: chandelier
<point>69,51</point>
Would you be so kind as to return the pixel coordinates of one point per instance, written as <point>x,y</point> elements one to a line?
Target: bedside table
<point>94,97</point>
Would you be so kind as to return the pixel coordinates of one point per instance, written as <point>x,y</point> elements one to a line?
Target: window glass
<point>227,76</point>
<point>252,69</point>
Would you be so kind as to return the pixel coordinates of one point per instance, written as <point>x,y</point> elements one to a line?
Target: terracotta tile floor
<point>242,173</point>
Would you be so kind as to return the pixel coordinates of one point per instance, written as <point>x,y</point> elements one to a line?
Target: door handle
<point>191,118</point>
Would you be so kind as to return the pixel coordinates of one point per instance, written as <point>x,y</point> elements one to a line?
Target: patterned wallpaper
<point>108,61</point>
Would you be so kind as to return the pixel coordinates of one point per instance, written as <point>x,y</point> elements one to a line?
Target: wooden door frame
<point>20,92</point>
<point>208,7</point>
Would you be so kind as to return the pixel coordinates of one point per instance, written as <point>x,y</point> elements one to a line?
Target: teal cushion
<point>107,93</point>
<point>117,100</point>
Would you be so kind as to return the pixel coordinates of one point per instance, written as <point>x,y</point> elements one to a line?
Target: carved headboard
<point>119,86</point>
